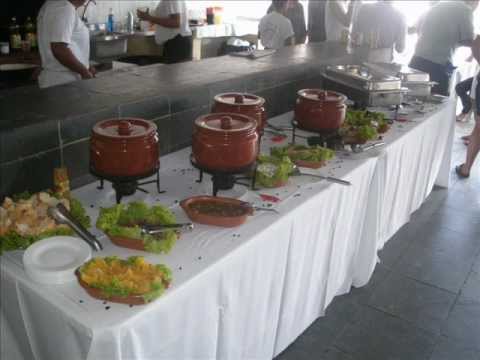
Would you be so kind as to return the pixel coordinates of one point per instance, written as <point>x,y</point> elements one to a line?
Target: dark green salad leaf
<point>125,221</point>
<point>271,171</point>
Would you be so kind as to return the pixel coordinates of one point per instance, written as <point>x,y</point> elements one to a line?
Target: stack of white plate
<point>54,260</point>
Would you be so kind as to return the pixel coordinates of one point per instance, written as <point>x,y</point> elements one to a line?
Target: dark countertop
<point>38,128</point>
<point>139,83</point>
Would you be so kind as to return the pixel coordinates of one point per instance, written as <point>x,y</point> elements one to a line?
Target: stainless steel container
<point>417,82</point>
<point>364,87</point>
<point>363,77</point>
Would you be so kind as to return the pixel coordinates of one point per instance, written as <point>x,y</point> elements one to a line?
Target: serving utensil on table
<point>297,172</point>
<point>62,216</point>
<point>356,148</point>
<point>158,229</point>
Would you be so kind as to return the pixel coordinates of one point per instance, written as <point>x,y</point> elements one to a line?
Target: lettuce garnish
<point>126,220</point>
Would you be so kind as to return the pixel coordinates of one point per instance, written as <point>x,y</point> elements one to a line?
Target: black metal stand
<point>328,139</point>
<point>126,186</point>
<point>226,180</point>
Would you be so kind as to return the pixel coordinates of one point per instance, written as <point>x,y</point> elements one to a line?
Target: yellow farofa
<point>136,278</point>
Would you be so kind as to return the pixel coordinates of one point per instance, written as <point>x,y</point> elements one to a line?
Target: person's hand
<point>143,15</point>
<point>93,71</point>
<point>86,75</point>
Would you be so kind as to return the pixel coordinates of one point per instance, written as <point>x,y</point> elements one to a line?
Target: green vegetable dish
<point>303,153</point>
<point>125,221</point>
<point>273,171</point>
<point>24,219</point>
<point>362,126</point>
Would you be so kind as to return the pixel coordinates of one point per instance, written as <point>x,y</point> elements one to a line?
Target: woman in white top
<point>64,43</point>
<point>338,17</point>
<point>275,30</point>
<point>172,30</point>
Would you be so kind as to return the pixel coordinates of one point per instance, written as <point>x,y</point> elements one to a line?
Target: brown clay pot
<point>125,147</point>
<point>225,142</point>
<point>245,104</point>
<point>320,110</point>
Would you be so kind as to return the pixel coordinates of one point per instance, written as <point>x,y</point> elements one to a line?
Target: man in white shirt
<point>338,18</point>
<point>275,30</point>
<point>389,25</point>
<point>172,30</point>
<point>64,43</point>
<point>445,27</point>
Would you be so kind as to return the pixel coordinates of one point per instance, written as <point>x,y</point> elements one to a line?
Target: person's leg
<point>463,91</point>
<point>472,150</point>
<point>178,49</point>
<point>473,141</point>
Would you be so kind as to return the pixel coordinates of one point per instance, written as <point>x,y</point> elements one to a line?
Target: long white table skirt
<point>243,293</point>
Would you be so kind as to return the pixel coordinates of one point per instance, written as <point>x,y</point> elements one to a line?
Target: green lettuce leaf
<point>305,153</point>
<point>124,220</point>
<point>271,170</point>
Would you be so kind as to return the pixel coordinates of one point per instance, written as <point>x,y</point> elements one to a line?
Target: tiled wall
<point>98,13</point>
<point>28,154</point>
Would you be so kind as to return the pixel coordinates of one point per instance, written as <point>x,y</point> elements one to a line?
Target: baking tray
<point>361,76</point>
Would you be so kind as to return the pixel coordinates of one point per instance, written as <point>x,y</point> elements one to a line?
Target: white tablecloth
<point>243,293</point>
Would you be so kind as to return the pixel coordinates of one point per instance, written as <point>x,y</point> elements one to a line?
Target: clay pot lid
<point>239,99</point>
<point>124,128</point>
<point>321,95</point>
<point>226,122</point>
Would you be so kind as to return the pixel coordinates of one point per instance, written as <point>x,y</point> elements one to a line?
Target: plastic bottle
<point>15,37</point>
<point>30,33</point>
<point>110,21</point>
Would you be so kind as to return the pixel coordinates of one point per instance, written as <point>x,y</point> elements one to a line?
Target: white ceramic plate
<point>54,260</point>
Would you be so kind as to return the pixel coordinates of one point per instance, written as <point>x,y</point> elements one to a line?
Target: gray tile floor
<point>423,301</point>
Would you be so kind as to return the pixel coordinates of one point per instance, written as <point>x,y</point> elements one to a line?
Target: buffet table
<point>245,292</point>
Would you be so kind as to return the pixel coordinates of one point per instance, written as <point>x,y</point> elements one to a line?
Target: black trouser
<point>463,91</point>
<point>178,49</point>
<point>438,73</point>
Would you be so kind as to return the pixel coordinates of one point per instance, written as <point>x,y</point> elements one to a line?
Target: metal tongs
<point>297,172</point>
<point>62,216</point>
<point>158,229</point>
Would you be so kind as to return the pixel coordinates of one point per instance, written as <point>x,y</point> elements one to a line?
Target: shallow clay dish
<point>310,164</point>
<point>241,208</point>
<point>134,244</point>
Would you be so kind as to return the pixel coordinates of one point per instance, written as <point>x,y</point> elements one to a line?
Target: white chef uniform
<point>58,21</point>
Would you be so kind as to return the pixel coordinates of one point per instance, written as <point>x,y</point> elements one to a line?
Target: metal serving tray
<point>363,77</point>
<point>405,73</point>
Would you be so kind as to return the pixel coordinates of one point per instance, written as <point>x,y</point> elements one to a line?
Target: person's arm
<point>64,55</point>
<point>290,41</point>
<point>302,37</point>
<point>172,21</point>
<point>401,36</point>
<point>476,48</point>
<point>338,11</point>
<point>466,32</point>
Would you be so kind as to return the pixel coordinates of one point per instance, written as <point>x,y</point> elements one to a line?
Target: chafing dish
<point>417,82</point>
<point>363,77</point>
<point>364,86</point>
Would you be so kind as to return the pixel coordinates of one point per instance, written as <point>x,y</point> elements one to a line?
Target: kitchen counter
<point>39,128</point>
